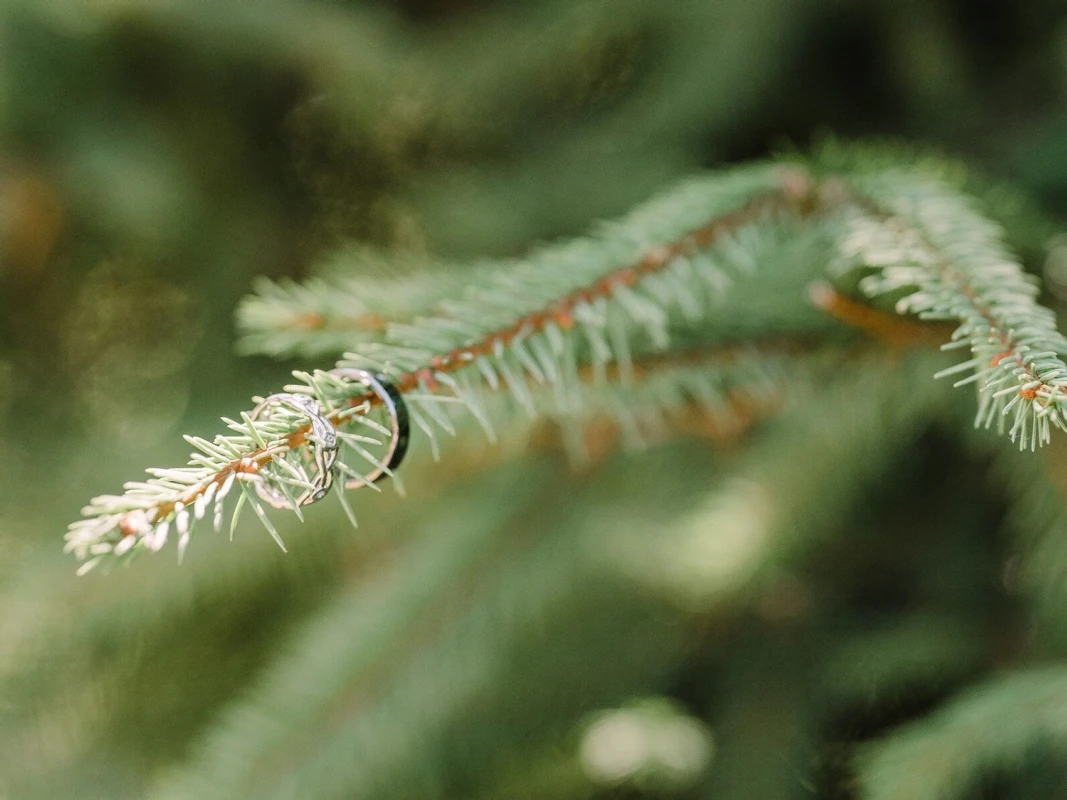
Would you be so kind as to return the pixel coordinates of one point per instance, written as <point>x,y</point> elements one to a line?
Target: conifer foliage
<point>627,451</point>
<point>530,327</point>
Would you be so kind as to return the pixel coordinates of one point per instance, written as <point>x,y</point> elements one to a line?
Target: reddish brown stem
<point>882,326</point>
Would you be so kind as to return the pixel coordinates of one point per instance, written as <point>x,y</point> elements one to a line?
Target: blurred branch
<point>997,725</point>
<point>505,617</point>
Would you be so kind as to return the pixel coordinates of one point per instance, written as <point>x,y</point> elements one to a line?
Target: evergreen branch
<point>356,293</point>
<point>731,386</point>
<point>597,304</point>
<point>256,452</point>
<point>594,300</point>
<point>998,724</point>
<point>408,666</point>
<point>522,328</point>
<point>767,512</point>
<point>315,317</point>
<point>719,394</point>
<point>328,314</point>
<point>927,241</point>
<point>1037,523</point>
<point>923,648</point>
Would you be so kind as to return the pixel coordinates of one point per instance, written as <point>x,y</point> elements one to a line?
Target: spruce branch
<point>287,318</point>
<point>717,393</point>
<point>176,500</point>
<point>592,308</point>
<point>536,322</point>
<point>503,597</point>
<point>1036,522</point>
<point>351,299</point>
<point>526,327</point>
<point>926,242</point>
<point>1000,722</point>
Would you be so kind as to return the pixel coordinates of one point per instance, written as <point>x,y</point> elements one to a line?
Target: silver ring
<point>324,439</point>
<point>400,427</point>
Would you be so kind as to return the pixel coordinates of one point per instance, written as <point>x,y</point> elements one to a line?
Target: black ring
<point>394,403</point>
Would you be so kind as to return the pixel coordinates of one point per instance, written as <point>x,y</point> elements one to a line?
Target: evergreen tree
<point>746,484</point>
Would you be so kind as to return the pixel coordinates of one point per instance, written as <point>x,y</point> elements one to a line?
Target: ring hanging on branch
<point>399,425</point>
<point>534,326</point>
<point>323,437</point>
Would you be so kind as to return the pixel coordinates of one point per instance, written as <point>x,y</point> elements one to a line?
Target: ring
<point>398,419</point>
<point>323,437</point>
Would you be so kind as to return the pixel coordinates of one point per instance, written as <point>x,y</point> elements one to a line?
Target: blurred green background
<point>157,155</point>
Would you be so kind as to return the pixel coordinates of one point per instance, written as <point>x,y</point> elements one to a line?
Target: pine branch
<point>998,724</point>
<point>596,301</point>
<point>1037,524</point>
<point>409,667</point>
<point>524,328</point>
<point>353,298</point>
<point>927,242</point>
<point>287,318</point>
<point>258,452</point>
<point>767,512</point>
<point>731,388</point>
<point>531,327</point>
<point>728,388</point>
<point>885,661</point>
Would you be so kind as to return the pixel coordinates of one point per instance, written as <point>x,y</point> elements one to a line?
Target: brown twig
<point>887,328</point>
